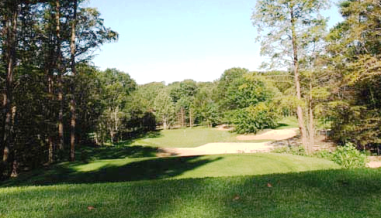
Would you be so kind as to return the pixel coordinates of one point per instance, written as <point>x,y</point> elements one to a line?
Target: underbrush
<point>346,156</point>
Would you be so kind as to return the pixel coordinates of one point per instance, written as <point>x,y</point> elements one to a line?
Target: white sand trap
<point>234,147</point>
<point>374,164</point>
<point>280,134</point>
<point>221,148</point>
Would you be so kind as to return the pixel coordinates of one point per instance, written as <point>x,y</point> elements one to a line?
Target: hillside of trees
<point>54,100</point>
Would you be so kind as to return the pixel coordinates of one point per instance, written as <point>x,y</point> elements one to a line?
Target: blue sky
<point>173,40</point>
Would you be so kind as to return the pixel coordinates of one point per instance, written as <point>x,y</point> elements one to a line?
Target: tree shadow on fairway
<point>330,193</point>
<point>112,171</point>
<point>133,136</point>
<point>87,154</point>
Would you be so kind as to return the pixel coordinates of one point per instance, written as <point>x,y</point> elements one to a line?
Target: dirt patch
<point>280,134</point>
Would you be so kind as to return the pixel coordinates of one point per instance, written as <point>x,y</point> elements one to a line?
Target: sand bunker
<point>220,148</point>
<point>234,147</point>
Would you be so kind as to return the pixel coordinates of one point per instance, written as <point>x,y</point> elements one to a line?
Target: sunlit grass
<point>288,122</point>
<point>189,137</point>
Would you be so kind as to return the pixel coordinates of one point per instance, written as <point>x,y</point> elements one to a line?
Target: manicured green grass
<point>332,193</point>
<point>288,122</point>
<point>197,136</point>
<point>189,137</point>
<point>134,169</point>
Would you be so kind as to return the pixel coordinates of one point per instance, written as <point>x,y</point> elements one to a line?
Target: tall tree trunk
<point>15,163</point>
<point>49,74</point>
<point>11,26</point>
<point>182,117</point>
<point>50,111</point>
<point>299,110</point>
<point>4,34</point>
<point>190,117</point>
<point>59,80</point>
<point>165,122</point>
<point>74,73</point>
<point>311,123</point>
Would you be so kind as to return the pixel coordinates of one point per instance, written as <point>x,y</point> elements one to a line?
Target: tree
<point>117,85</point>
<point>287,27</point>
<point>164,108</point>
<point>37,51</point>
<point>182,94</point>
<point>10,26</point>
<point>205,104</point>
<point>354,61</point>
<point>248,100</point>
<point>226,79</point>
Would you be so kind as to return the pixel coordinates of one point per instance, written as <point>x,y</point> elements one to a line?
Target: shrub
<point>295,150</point>
<point>349,157</point>
<point>325,154</point>
<point>254,118</point>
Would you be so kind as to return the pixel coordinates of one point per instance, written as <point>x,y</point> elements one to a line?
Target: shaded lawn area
<point>188,138</point>
<point>136,169</point>
<point>331,193</point>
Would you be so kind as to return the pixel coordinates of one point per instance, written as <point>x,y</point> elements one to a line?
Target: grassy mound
<point>332,193</point>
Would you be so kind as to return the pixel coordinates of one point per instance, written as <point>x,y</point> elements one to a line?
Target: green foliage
<point>349,157</point>
<point>279,22</point>
<point>208,114</point>
<point>248,102</point>
<point>116,86</point>
<point>325,154</point>
<point>247,90</point>
<point>354,61</point>
<point>254,118</point>
<point>227,79</point>
<point>165,109</point>
<point>346,156</point>
<point>294,150</point>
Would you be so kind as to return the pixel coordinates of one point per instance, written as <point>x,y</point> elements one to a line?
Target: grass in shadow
<point>87,154</point>
<point>118,170</point>
<point>133,136</point>
<point>136,169</point>
<point>331,193</point>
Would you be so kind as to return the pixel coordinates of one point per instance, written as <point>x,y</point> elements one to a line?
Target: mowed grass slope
<point>189,138</point>
<point>197,136</point>
<point>135,169</point>
<point>333,193</point>
<point>185,138</point>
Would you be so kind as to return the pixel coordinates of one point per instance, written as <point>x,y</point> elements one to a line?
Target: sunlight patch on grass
<point>97,165</point>
<point>288,122</point>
